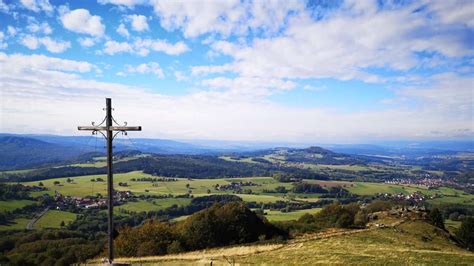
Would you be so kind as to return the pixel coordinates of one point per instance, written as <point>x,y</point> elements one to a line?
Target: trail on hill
<point>31,223</point>
<point>224,252</point>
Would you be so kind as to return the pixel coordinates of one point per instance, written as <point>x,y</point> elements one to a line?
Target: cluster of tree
<point>288,206</point>
<point>219,225</point>
<point>279,189</point>
<point>333,215</point>
<point>303,187</point>
<point>15,191</point>
<point>48,247</point>
<point>153,179</point>
<point>465,233</point>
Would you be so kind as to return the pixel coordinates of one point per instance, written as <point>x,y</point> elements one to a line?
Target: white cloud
<point>326,48</point>
<point>53,46</point>
<point>144,46</point>
<point>70,100</point>
<point>86,42</point>
<point>81,21</point>
<point>180,76</point>
<point>37,5</point>
<point>148,68</point>
<point>249,85</point>
<point>123,31</point>
<point>224,17</point>
<point>113,47</point>
<point>128,3</point>
<point>11,31</point>
<point>40,28</point>
<point>138,22</point>
<point>4,7</point>
<point>30,41</point>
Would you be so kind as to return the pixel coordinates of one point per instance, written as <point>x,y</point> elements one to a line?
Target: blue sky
<point>298,71</point>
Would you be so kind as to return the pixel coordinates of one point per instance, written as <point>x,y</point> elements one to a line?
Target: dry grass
<point>403,242</point>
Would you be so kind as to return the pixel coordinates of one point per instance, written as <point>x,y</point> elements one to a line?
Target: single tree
<point>436,218</point>
<point>465,233</point>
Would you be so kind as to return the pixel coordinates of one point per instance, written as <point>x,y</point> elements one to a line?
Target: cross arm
<point>120,128</point>
<point>92,128</point>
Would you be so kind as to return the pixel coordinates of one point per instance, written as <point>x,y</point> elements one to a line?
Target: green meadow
<point>17,224</point>
<point>11,205</point>
<point>278,216</point>
<point>53,219</point>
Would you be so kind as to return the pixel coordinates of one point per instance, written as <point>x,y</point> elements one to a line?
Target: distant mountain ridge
<point>28,152</point>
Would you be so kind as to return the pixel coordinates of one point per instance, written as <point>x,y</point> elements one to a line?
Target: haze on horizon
<point>295,71</point>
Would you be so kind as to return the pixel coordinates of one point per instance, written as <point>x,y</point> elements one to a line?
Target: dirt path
<point>30,224</point>
<point>223,252</point>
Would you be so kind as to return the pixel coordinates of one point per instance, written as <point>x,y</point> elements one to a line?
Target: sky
<point>295,71</point>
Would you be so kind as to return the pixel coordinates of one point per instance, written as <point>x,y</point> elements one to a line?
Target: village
<point>61,202</point>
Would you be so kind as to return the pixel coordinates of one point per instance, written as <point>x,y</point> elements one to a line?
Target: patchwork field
<point>82,186</point>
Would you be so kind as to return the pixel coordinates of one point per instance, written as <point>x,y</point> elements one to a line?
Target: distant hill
<point>21,152</point>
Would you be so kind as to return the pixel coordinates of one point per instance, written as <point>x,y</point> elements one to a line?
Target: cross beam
<point>109,136</point>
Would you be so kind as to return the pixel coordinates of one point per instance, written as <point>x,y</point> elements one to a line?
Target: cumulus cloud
<point>138,22</point>
<point>86,42</point>
<point>249,85</point>
<point>144,46</point>
<point>148,68</point>
<point>224,17</point>
<point>113,47</point>
<point>345,46</point>
<point>81,21</point>
<point>37,5</point>
<point>39,27</point>
<point>122,30</point>
<point>53,46</point>
<point>127,3</point>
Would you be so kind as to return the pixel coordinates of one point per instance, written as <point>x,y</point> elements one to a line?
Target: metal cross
<point>109,136</point>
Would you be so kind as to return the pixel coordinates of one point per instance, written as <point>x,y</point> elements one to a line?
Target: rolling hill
<point>403,242</point>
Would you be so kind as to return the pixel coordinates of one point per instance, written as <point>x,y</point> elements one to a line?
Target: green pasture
<point>53,219</point>
<point>11,205</point>
<point>153,204</point>
<point>17,224</point>
<point>278,216</point>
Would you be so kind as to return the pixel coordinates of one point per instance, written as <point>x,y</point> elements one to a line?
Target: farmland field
<point>17,224</point>
<point>277,216</point>
<point>11,205</point>
<point>82,186</point>
<point>153,205</point>
<point>53,219</point>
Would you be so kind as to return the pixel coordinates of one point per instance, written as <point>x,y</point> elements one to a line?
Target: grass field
<point>278,216</point>
<point>53,219</point>
<point>18,224</point>
<point>153,204</point>
<point>410,243</point>
<point>11,205</point>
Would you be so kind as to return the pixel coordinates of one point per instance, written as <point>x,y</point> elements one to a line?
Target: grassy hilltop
<point>411,242</point>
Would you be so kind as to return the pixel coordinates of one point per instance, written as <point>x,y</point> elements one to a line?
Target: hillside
<point>404,242</point>
<point>20,152</point>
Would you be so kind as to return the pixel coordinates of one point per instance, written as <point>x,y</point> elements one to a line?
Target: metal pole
<point>110,185</point>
